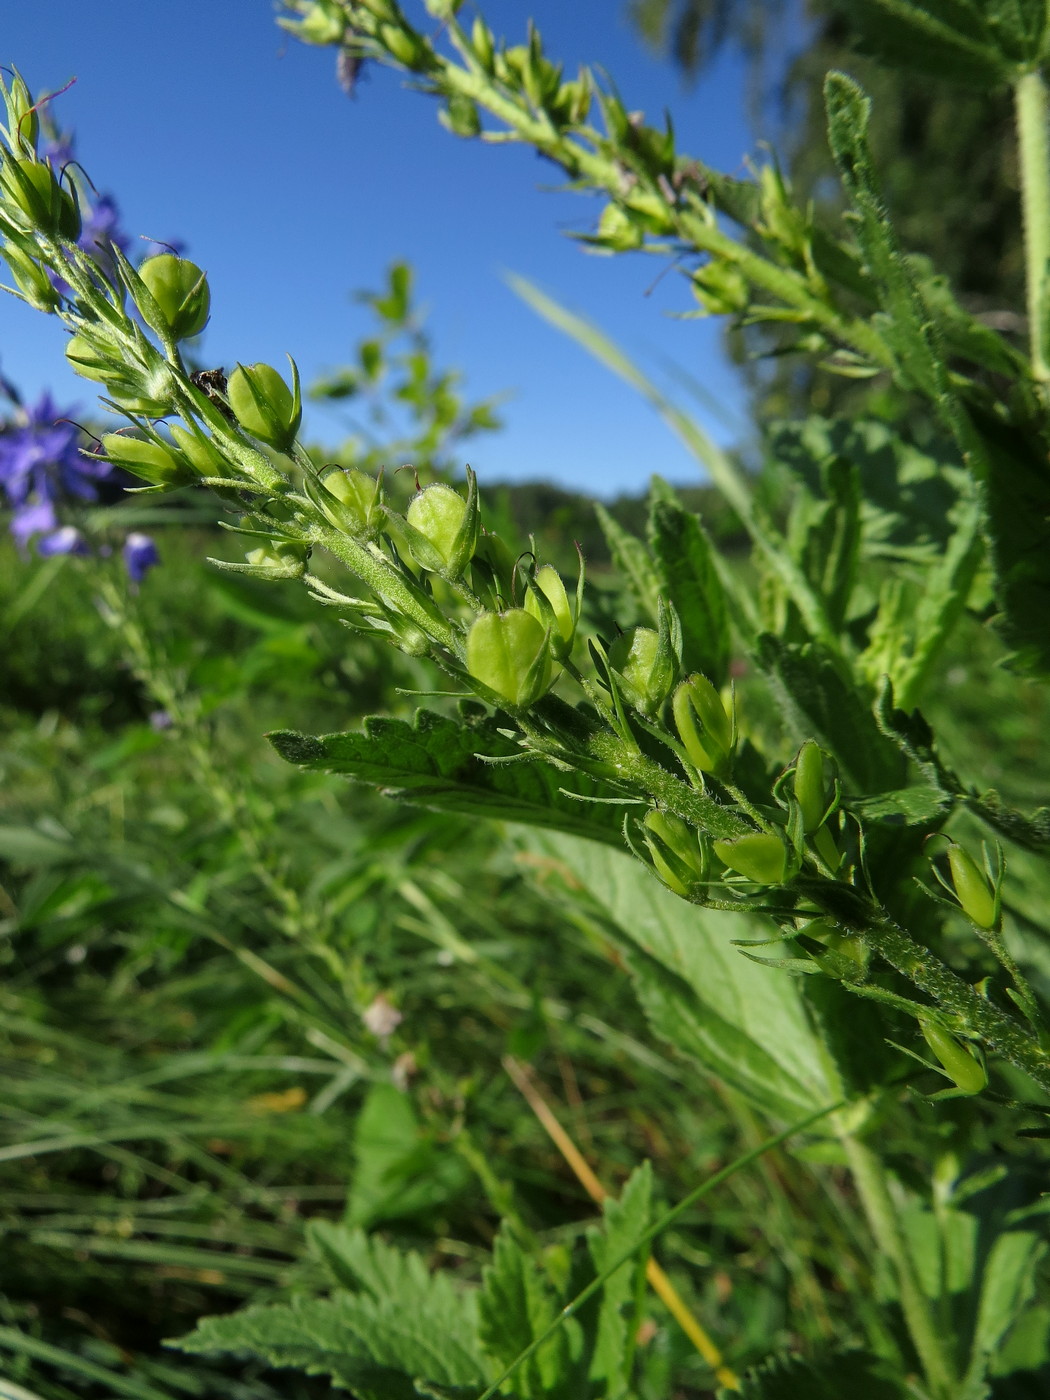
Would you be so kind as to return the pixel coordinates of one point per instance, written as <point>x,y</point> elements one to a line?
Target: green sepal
<point>759,856</point>
<point>149,458</point>
<point>963,1068</point>
<point>441,528</point>
<point>508,658</point>
<point>264,405</point>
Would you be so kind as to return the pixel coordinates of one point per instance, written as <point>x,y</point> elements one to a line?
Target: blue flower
<point>140,555</point>
<point>41,467</point>
<point>66,540</point>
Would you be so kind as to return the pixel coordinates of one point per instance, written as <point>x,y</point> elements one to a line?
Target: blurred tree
<point>946,156</point>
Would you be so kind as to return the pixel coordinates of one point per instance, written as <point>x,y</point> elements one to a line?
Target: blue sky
<point>209,125</point>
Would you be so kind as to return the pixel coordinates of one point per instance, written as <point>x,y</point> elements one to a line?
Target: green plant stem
<point>1034,157</point>
<point>881,1212</point>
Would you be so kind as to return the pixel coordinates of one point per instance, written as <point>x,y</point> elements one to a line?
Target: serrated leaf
<point>818,704</point>
<point>515,1306</point>
<point>437,762</point>
<point>1032,832</point>
<point>364,1263</point>
<point>397,1171</point>
<point>625,1222</point>
<point>1006,1290</point>
<point>689,579</point>
<point>852,1373</point>
<point>370,1347</point>
<point>975,43</point>
<point>744,1023</point>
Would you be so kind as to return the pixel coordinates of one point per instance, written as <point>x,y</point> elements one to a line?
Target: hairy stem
<point>1034,154</point>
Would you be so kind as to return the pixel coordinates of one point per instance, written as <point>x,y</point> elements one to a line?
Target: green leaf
<point>975,43</point>
<point>1006,1290</point>
<point>398,1172</point>
<point>903,320</point>
<point>688,578</point>
<point>374,1348</point>
<point>852,1373</point>
<point>912,806</point>
<point>625,1222</point>
<point>363,1263</point>
<point>436,762</point>
<point>1033,831</point>
<point>818,704</point>
<point>516,1305</point>
<point>744,1023</point>
<point>632,561</point>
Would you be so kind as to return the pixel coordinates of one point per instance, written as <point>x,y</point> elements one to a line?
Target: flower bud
<point>964,1068</point>
<point>264,405</point>
<point>508,653</point>
<point>676,852</point>
<point>180,290</point>
<point>461,116</point>
<point>147,459</point>
<point>481,40</point>
<point>759,856</point>
<point>703,726</point>
<point>721,288</point>
<point>974,892</point>
<point>199,451</point>
<point>617,231</point>
<point>443,528</point>
<point>402,44</point>
<point>36,200</point>
<point>31,279</point>
<point>646,668</point>
<point>558,615</point>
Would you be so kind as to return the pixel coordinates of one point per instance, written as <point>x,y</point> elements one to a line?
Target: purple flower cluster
<point>42,468</point>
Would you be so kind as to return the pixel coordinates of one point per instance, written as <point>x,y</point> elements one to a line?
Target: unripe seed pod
<point>22,120</point>
<point>201,452</point>
<point>508,653</point>
<point>760,856</point>
<point>617,231</point>
<point>645,667</point>
<point>280,559</point>
<point>358,497</point>
<point>324,24</point>
<point>149,461</point>
<point>721,289</point>
<point>180,289</point>
<point>676,852</point>
<point>481,39</point>
<point>31,279</point>
<point>964,1068</point>
<point>402,45</point>
<point>703,725</point>
<point>94,357</point>
<point>461,117</point>
<point>548,581</point>
<point>264,405</point>
<point>38,200</point>
<point>810,786</point>
<point>975,894</point>
<point>443,529</point>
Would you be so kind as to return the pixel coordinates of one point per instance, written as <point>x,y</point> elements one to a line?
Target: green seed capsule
<point>508,653</point>
<point>703,726</point>
<point>759,856</point>
<point>280,559</point>
<point>149,461</point>
<point>358,511</point>
<point>23,123</point>
<point>180,289</point>
<point>439,514</point>
<point>676,853</point>
<point>964,1068</point>
<point>810,786</point>
<point>645,667</point>
<point>548,581</point>
<point>975,894</point>
<point>31,279</point>
<point>33,194</point>
<point>264,405</point>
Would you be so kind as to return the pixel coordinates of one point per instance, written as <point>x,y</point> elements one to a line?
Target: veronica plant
<point>811,828</point>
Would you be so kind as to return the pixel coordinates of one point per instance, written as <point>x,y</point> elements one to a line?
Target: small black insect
<point>212,383</point>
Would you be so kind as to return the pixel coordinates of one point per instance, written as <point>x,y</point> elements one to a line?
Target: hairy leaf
<point>438,762</point>
<point>689,579</point>
<point>516,1305</point>
<point>632,560</point>
<point>745,1023</point>
<point>625,1221</point>
<point>851,1373</point>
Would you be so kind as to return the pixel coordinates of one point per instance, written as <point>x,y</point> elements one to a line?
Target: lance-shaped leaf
<point>689,578</point>
<point>439,762</point>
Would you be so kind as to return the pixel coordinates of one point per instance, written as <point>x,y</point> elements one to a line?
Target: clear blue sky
<point>208,124</point>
